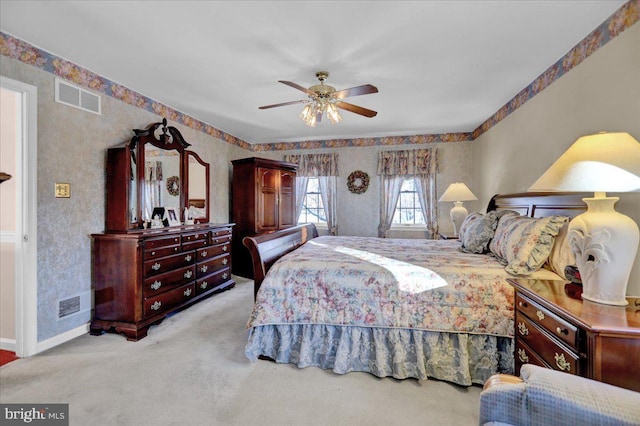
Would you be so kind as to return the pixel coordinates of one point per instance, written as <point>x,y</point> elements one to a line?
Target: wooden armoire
<point>263,200</point>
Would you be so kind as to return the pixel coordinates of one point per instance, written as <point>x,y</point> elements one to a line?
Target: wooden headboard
<point>541,204</point>
<point>265,249</point>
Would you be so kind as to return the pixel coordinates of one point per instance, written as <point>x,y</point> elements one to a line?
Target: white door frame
<point>26,266</point>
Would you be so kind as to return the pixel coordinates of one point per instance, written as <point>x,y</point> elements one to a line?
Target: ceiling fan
<point>324,99</point>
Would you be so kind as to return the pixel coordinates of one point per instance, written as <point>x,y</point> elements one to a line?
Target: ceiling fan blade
<point>357,109</point>
<point>356,91</point>
<point>297,86</point>
<point>283,104</point>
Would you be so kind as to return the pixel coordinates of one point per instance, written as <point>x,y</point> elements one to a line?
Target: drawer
<point>212,281</point>
<point>221,239</point>
<point>552,352</point>
<point>195,236</point>
<point>165,264</point>
<point>555,325</point>
<point>526,355</point>
<point>212,265</point>
<point>155,243</point>
<point>168,300</point>
<point>220,232</point>
<point>196,244</point>
<point>161,282</point>
<point>213,251</point>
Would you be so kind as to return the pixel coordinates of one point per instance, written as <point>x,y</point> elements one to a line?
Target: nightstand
<point>555,328</point>
<point>444,236</point>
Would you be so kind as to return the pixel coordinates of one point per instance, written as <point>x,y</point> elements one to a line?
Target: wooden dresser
<point>142,276</point>
<point>263,200</point>
<point>555,328</point>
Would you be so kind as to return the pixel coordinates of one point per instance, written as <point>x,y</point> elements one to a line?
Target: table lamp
<point>457,192</point>
<point>603,241</point>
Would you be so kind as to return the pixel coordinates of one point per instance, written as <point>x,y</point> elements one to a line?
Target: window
<point>408,211</point>
<point>312,207</point>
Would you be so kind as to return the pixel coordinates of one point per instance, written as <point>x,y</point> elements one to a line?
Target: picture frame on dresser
<point>172,217</point>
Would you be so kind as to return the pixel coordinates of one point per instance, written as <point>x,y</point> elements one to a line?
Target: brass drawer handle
<point>523,304</point>
<point>522,355</point>
<point>225,276</point>
<point>225,248</point>
<point>156,266</point>
<point>204,253</point>
<point>204,268</point>
<point>187,292</point>
<point>225,261</point>
<point>187,258</point>
<point>522,328</point>
<point>562,363</point>
<point>156,305</point>
<point>153,253</point>
<point>156,285</point>
<point>204,285</point>
<point>540,315</point>
<point>188,274</point>
<point>176,249</point>
<point>562,330</point>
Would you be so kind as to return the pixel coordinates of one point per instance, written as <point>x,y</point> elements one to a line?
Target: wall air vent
<point>74,305</point>
<point>68,94</point>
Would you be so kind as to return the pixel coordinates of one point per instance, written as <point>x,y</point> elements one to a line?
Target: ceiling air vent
<point>68,94</point>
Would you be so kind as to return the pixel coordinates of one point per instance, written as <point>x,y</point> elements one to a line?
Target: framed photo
<point>172,216</point>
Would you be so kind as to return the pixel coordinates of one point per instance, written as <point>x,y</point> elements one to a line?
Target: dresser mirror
<point>152,170</point>
<point>197,185</point>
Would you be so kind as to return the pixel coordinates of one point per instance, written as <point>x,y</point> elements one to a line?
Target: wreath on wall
<point>173,185</point>
<point>358,182</point>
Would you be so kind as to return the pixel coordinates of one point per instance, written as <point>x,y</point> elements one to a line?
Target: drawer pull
<point>540,315</point>
<point>522,328</point>
<point>187,258</point>
<point>175,249</point>
<point>225,248</point>
<point>156,266</point>
<point>215,241</point>
<point>156,305</point>
<point>187,292</point>
<point>153,253</point>
<point>204,285</point>
<point>188,274</point>
<point>156,285</point>
<point>225,276</point>
<point>523,304</point>
<point>522,355</point>
<point>562,330</point>
<point>562,363</point>
<point>225,261</point>
<point>204,268</point>
<point>204,253</point>
<point>175,240</point>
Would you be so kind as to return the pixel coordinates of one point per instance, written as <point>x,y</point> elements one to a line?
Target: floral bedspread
<point>390,283</point>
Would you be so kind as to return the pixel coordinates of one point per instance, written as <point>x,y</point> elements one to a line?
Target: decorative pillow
<point>523,243</point>
<point>479,231</point>
<point>561,255</point>
<point>472,217</point>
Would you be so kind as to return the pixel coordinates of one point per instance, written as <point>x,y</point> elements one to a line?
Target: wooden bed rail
<point>265,249</point>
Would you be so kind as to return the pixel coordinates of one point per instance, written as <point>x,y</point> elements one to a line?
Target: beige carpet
<point>191,370</point>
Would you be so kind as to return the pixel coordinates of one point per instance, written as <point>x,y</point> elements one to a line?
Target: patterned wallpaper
<point>15,48</point>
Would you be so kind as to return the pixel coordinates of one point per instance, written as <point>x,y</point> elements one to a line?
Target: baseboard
<point>8,344</point>
<point>62,338</point>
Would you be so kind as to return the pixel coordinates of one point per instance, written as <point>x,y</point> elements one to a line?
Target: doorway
<point>18,235</point>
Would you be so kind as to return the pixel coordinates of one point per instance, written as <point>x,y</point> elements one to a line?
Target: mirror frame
<point>207,195</point>
<point>168,139</point>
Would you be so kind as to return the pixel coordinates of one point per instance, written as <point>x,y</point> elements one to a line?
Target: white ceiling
<point>440,66</point>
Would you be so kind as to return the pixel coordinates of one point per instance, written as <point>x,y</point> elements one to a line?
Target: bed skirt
<point>464,359</point>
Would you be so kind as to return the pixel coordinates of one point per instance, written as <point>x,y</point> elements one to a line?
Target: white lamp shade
<point>458,192</point>
<point>604,162</point>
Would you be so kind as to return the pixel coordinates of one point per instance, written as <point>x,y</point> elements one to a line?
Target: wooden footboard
<point>265,249</point>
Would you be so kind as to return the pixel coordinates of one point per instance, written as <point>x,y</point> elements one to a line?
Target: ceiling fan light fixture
<point>333,113</point>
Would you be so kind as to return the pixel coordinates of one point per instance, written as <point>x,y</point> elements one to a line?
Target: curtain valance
<point>415,162</point>
<point>314,165</point>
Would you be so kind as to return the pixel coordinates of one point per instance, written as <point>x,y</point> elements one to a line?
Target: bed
<point>395,307</point>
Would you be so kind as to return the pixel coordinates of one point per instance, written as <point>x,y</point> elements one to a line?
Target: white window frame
<point>407,226</point>
<point>322,225</point>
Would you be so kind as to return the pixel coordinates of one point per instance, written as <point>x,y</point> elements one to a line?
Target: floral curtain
<point>325,168</point>
<point>393,167</point>
<point>152,187</point>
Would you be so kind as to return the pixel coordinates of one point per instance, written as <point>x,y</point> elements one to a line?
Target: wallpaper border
<point>13,47</point>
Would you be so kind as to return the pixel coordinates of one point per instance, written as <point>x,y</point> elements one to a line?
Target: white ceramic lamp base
<point>605,243</point>
<point>458,213</point>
